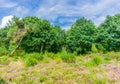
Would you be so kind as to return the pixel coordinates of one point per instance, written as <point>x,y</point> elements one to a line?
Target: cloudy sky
<point>59,12</point>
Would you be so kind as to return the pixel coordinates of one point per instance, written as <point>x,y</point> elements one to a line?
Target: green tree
<point>81,36</point>
<point>109,33</point>
<point>42,36</point>
<point>16,33</point>
<point>58,39</point>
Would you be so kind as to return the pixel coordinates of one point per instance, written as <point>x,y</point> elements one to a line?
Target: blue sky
<point>59,12</point>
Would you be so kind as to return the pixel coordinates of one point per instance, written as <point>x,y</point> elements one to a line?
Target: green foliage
<point>113,55</point>
<point>3,51</point>
<point>30,61</point>
<point>94,49</point>
<point>50,54</point>
<point>37,35</point>
<point>109,33</point>
<point>3,60</point>
<point>42,79</point>
<point>100,48</point>
<point>42,36</point>
<point>2,81</point>
<point>32,58</point>
<point>67,57</point>
<point>20,53</point>
<point>80,37</point>
<point>96,60</point>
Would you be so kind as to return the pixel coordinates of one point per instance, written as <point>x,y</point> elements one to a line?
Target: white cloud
<point>7,4</point>
<point>5,20</point>
<point>96,11</point>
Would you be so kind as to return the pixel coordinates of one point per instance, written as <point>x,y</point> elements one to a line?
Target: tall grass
<point>32,59</point>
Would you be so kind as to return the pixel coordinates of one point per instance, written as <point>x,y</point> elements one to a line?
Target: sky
<point>59,12</point>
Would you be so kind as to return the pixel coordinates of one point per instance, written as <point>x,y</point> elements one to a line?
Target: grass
<point>89,69</point>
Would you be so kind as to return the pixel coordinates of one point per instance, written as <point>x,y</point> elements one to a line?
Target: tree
<point>58,39</point>
<point>4,43</point>
<point>109,33</point>
<point>16,33</point>
<point>42,36</point>
<point>81,36</point>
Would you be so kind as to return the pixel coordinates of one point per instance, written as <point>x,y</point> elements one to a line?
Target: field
<point>95,68</point>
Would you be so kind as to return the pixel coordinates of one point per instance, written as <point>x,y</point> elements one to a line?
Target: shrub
<point>32,58</point>
<point>67,57</point>
<point>3,51</point>
<point>2,81</point>
<point>50,54</point>
<point>96,60</point>
<point>4,60</point>
<point>30,61</point>
<point>94,49</point>
<point>113,55</point>
<point>100,48</point>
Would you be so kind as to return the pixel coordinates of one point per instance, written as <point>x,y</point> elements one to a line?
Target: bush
<point>2,81</point>
<point>4,60</point>
<point>3,51</point>
<point>50,54</point>
<point>113,55</point>
<point>30,61</point>
<point>32,58</point>
<point>94,49</point>
<point>96,60</point>
<point>101,48</point>
<point>67,57</point>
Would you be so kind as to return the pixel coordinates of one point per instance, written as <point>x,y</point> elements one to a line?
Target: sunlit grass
<point>89,69</point>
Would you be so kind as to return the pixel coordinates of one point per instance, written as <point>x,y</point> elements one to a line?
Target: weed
<point>96,60</point>
<point>32,59</point>
<point>4,60</point>
<point>67,57</point>
<point>2,81</point>
<point>94,49</point>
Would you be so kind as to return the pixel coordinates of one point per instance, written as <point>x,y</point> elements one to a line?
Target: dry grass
<point>53,71</point>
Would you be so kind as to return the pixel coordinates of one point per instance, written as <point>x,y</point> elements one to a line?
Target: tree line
<point>32,34</point>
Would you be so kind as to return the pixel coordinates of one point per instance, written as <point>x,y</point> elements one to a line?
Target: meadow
<point>60,68</point>
<point>34,51</point>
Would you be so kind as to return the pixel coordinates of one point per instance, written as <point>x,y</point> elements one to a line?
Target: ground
<point>56,71</point>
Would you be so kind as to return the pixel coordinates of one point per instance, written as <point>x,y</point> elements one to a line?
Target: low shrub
<point>67,57</point>
<point>3,51</point>
<point>2,81</point>
<point>94,49</point>
<point>50,54</point>
<point>32,58</point>
<point>113,55</point>
<point>101,48</point>
<point>4,60</point>
<point>96,60</point>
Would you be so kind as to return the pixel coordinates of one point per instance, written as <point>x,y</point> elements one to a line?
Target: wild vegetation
<point>32,51</point>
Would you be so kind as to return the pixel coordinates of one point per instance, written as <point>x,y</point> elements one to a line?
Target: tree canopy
<point>81,36</point>
<point>33,34</point>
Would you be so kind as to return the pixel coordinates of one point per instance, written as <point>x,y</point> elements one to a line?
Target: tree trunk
<point>19,42</point>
